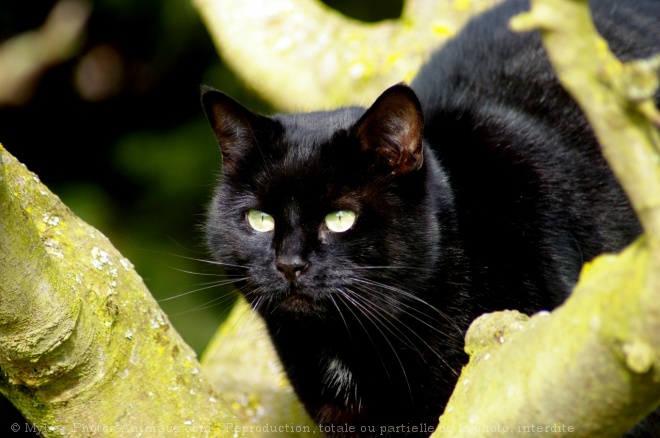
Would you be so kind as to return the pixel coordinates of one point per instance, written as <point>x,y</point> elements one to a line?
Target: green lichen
<point>493,329</point>
<point>84,347</point>
<point>569,366</point>
<point>337,60</point>
<point>640,356</point>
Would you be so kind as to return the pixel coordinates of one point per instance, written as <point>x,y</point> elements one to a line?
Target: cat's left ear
<point>236,127</point>
<point>393,129</point>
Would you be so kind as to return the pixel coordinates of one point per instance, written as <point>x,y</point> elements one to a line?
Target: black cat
<point>368,240</point>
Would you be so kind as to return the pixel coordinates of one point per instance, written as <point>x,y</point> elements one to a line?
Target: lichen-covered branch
<point>242,364</point>
<point>84,348</point>
<point>302,55</point>
<point>589,369</point>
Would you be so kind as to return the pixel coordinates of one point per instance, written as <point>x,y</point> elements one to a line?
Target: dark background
<point>118,133</point>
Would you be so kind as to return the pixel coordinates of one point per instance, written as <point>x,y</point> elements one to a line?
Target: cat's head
<point>322,210</point>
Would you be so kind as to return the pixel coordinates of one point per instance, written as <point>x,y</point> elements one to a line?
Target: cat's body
<point>507,198</point>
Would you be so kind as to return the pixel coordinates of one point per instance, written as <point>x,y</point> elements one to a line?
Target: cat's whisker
<point>343,297</point>
<point>378,310</point>
<point>256,306</point>
<point>223,282</point>
<point>409,309</point>
<point>414,332</point>
<point>245,318</point>
<point>212,303</point>
<point>418,336</point>
<point>205,274</point>
<point>411,296</point>
<point>216,263</point>
<point>264,301</point>
<point>351,296</point>
<point>348,330</point>
<point>211,262</point>
<point>209,286</point>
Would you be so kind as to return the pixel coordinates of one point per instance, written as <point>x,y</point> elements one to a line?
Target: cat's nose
<point>291,266</point>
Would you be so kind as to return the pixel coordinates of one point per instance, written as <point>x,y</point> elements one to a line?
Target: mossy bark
<point>591,368</point>
<point>302,55</point>
<point>84,347</point>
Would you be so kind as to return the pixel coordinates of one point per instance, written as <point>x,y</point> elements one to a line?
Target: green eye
<point>340,221</point>
<point>260,221</point>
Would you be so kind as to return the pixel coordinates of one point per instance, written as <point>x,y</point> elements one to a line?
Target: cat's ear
<point>235,126</point>
<point>393,129</point>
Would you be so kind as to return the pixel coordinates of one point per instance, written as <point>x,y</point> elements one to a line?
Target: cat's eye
<point>260,221</point>
<point>340,221</point>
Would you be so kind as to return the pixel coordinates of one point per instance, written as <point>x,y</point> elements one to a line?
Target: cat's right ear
<point>234,125</point>
<point>393,129</point>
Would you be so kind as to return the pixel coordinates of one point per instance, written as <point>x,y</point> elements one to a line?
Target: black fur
<point>482,190</point>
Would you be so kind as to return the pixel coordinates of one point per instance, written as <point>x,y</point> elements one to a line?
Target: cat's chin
<point>301,303</point>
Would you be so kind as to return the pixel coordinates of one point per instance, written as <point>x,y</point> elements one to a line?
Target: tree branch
<point>302,55</point>
<point>243,366</point>
<point>85,348</point>
<point>591,366</point>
